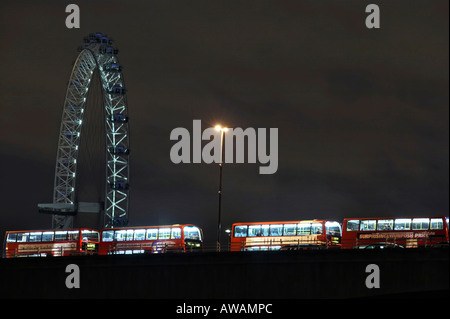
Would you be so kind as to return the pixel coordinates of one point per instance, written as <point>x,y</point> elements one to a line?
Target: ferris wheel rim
<point>96,53</point>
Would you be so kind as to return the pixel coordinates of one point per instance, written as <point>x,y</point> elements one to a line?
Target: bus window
<point>35,237</point>
<point>48,236</point>
<point>289,230</point>
<point>276,230</point>
<point>22,237</point>
<point>139,234</point>
<point>192,232</point>
<point>420,223</point>
<point>254,230</point>
<point>164,233</point>
<point>304,229</point>
<point>385,224</point>
<point>316,228</point>
<point>120,235</point>
<point>240,231</point>
<point>89,235</point>
<point>130,234</point>
<point>353,225</point>
<point>367,225</point>
<point>402,224</point>
<point>176,233</point>
<point>436,223</point>
<point>152,234</point>
<point>73,235</point>
<point>11,238</point>
<point>333,228</point>
<point>60,235</point>
<point>265,230</point>
<point>108,235</point>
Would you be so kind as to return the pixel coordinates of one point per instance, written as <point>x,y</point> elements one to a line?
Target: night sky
<point>362,114</point>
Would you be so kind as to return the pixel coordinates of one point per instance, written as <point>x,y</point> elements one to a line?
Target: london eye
<point>96,62</point>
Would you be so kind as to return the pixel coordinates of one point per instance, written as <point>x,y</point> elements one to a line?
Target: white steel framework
<point>96,52</point>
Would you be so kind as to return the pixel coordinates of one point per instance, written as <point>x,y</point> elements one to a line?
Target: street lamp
<point>222,131</point>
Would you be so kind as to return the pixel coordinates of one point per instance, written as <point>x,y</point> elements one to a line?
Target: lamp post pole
<point>222,144</point>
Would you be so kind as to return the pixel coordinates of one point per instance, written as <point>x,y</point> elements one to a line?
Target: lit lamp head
<point>221,129</point>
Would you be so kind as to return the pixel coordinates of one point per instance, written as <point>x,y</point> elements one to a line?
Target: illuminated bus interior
<point>154,239</point>
<point>163,233</point>
<point>288,229</point>
<point>395,224</point>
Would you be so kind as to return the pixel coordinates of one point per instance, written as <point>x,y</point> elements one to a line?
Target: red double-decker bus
<point>388,232</point>
<point>285,235</point>
<point>150,239</point>
<point>38,243</point>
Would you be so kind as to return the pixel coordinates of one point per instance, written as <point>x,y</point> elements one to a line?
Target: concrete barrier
<point>231,275</point>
